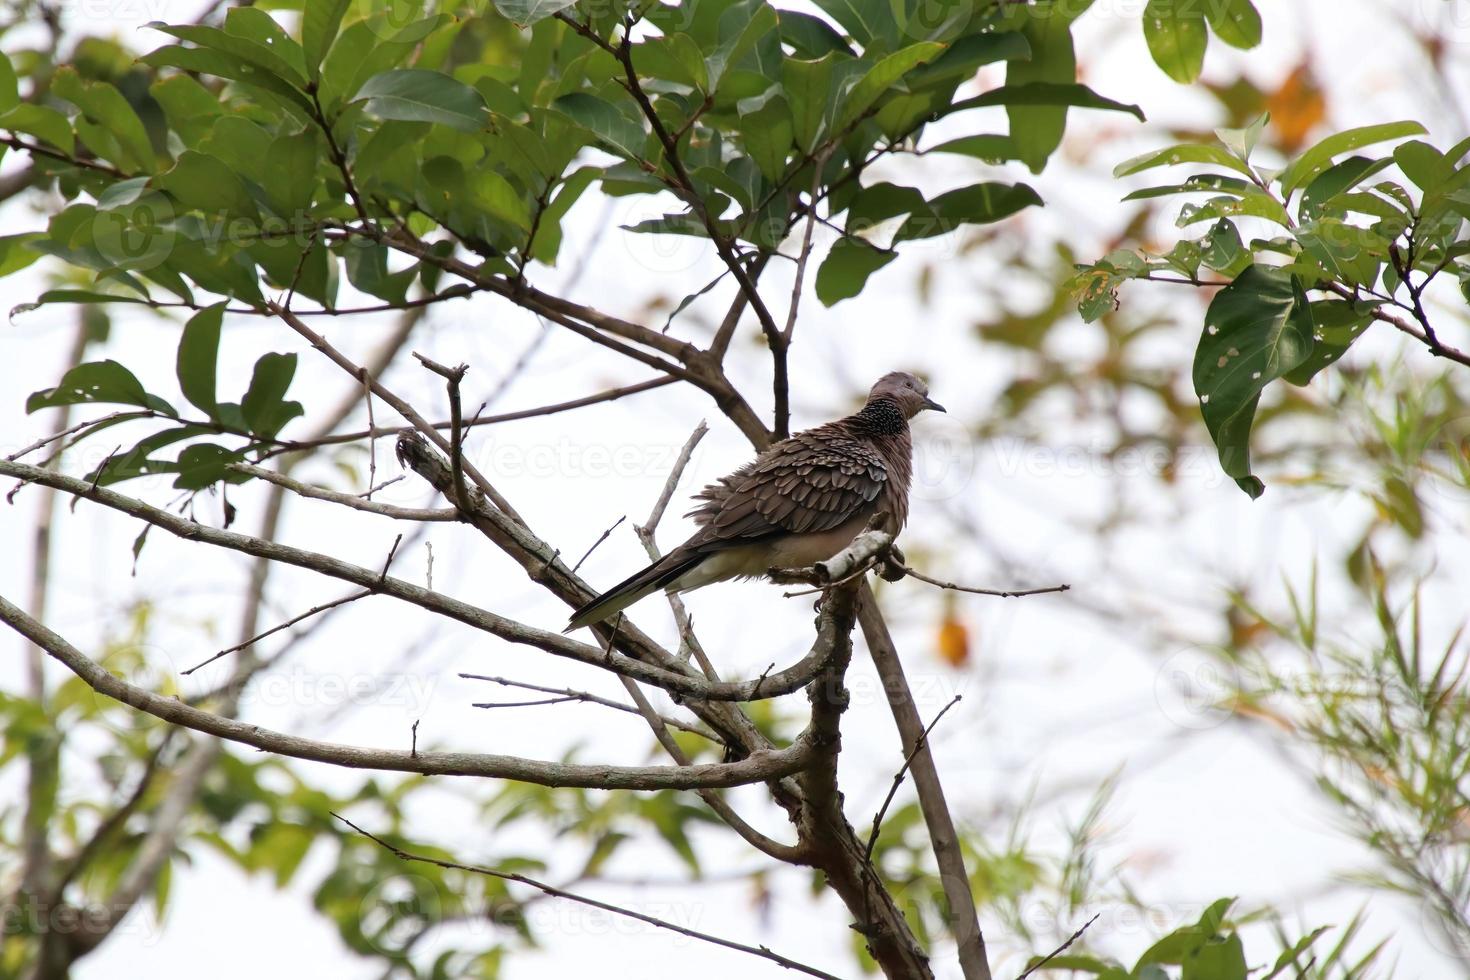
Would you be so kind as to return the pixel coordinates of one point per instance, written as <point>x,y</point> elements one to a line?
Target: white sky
<point>1053,699</point>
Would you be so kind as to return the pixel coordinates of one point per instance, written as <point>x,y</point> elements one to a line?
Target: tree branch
<point>555,892</point>
<point>753,769</point>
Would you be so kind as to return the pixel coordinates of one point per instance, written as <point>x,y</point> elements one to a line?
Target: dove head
<point>906,391</point>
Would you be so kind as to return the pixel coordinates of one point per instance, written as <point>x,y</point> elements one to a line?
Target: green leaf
<point>548,231</point>
<point>865,21</point>
<point>989,147</point>
<point>976,204</point>
<point>1236,22</point>
<point>1222,250</point>
<point>103,105</point>
<point>264,406</point>
<point>1046,94</point>
<point>290,163</point>
<point>528,12</point>
<point>1335,180</point>
<point>808,87</point>
<point>1256,330</point>
<point>1422,164</point>
<point>1176,35</point>
<point>198,359</point>
<point>224,65</point>
<point>492,193</point>
<point>1242,142</point>
<point>1181,153</point>
<point>254,24</point>
<point>846,269</point>
<point>1316,159</point>
<point>811,37</point>
<point>1338,323</point>
<point>14,255</point>
<point>190,107</point>
<point>204,182</point>
<point>246,49</point>
<point>98,381</point>
<point>320,21</point>
<point>42,122</point>
<point>968,53</point>
<point>204,464</point>
<point>1217,959</point>
<point>417,95</point>
<point>611,128</point>
<point>768,134</point>
<point>9,85</point>
<point>882,77</point>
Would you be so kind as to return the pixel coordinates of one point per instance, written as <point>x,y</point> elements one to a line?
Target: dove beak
<point>933,405</point>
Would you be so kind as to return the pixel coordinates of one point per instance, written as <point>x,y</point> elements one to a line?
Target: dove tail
<point>660,574</point>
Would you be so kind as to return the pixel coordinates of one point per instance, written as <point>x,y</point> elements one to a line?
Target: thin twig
<point>919,744</point>
<point>1059,950</point>
<point>555,892</point>
<point>1004,594</point>
<point>611,528</point>
<point>314,610</point>
<point>573,695</point>
<point>689,645</point>
<point>355,501</point>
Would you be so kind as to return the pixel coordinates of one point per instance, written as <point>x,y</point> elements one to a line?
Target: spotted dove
<point>801,501</point>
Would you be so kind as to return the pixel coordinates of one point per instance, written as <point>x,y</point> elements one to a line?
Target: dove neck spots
<point>880,417</point>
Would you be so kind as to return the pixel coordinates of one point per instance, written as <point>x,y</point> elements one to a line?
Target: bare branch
<point>354,501</point>
<point>898,776</point>
<point>1059,950</point>
<point>964,921</point>
<point>1010,594</point>
<point>692,685</point>
<point>375,432</point>
<point>756,768</point>
<point>567,694</point>
<point>555,892</point>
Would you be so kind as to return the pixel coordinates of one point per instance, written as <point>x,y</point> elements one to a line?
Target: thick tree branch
<point>964,921</point>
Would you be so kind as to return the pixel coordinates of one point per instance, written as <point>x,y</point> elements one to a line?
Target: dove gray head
<point>906,391</point>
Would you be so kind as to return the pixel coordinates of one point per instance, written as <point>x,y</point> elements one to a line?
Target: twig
<point>611,394</point>
<point>1059,950</point>
<point>689,645</point>
<point>1008,594</point>
<point>567,694</point>
<point>57,436</point>
<point>413,732</point>
<point>367,395</point>
<point>555,892</point>
<point>355,501</point>
<point>452,377</point>
<point>758,768</point>
<point>613,527</point>
<point>922,741</point>
<point>818,163</point>
<point>314,610</point>
<point>671,484</point>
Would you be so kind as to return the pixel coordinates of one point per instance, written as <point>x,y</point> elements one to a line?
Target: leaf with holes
<point>98,381</point>
<point>1257,329</point>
